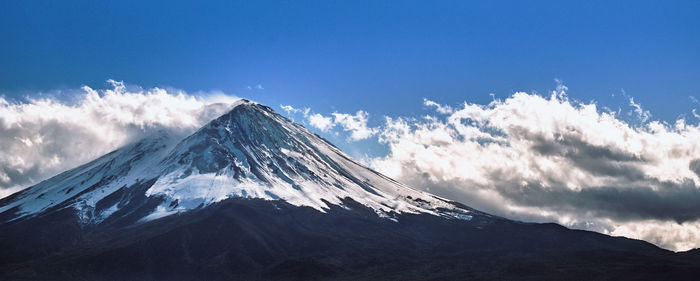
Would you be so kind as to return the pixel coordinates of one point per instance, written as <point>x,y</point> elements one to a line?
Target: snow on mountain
<point>84,186</point>
<point>250,152</point>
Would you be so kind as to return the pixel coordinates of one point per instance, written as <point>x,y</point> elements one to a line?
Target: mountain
<point>252,195</point>
<point>250,152</point>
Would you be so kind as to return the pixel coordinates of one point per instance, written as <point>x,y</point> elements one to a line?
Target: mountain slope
<point>251,195</point>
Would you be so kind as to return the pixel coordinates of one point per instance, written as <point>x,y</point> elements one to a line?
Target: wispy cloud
<point>642,114</point>
<point>444,109</point>
<point>255,87</point>
<point>291,110</point>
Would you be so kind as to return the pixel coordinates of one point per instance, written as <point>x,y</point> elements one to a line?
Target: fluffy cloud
<point>41,137</point>
<point>355,124</point>
<point>552,159</point>
<point>321,122</point>
<point>291,110</point>
<point>670,234</point>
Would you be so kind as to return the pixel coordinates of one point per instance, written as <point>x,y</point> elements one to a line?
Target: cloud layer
<point>552,159</point>
<point>42,137</point>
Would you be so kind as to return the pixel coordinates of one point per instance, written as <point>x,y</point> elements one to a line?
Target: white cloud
<point>321,122</point>
<point>694,111</point>
<point>643,115</point>
<point>670,234</point>
<point>551,159</point>
<point>291,110</point>
<point>41,137</point>
<point>355,124</point>
<point>444,109</point>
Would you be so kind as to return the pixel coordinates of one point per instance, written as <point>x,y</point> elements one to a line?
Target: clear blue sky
<point>380,56</point>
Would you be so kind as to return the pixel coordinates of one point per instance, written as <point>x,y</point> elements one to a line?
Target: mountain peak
<point>244,109</point>
<point>254,152</point>
<point>248,104</point>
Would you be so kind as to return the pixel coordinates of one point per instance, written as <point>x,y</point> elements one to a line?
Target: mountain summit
<point>252,195</point>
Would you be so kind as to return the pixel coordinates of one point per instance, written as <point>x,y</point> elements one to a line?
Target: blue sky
<point>380,56</point>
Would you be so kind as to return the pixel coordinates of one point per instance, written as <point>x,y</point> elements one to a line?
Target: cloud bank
<point>548,159</point>
<point>42,137</point>
<point>552,159</point>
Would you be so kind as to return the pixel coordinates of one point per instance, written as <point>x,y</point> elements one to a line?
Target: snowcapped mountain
<point>250,152</point>
<point>254,196</point>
